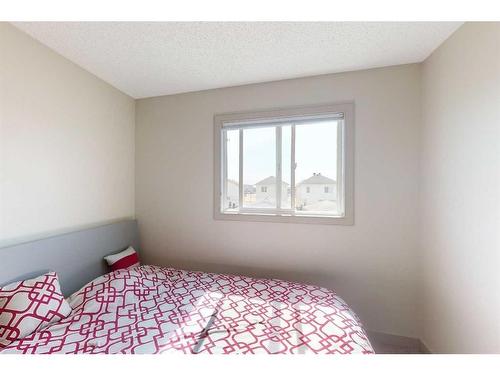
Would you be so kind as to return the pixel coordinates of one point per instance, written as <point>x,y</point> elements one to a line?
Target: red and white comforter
<point>151,309</point>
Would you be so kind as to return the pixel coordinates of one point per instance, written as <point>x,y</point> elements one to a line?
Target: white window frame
<point>345,167</point>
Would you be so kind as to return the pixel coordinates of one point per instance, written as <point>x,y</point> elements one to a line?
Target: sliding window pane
<point>316,171</point>
<point>232,185</point>
<point>259,167</point>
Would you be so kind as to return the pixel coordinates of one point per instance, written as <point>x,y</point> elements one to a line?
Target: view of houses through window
<point>301,158</point>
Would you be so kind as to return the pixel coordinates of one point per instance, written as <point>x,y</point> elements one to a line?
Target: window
<point>292,165</point>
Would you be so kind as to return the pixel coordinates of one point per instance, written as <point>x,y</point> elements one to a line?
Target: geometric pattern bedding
<point>150,309</point>
<point>29,305</point>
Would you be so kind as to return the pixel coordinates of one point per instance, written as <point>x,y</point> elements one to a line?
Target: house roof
<point>269,181</point>
<point>246,188</point>
<point>317,178</point>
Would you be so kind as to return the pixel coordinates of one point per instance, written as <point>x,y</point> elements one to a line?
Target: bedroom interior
<point>156,196</point>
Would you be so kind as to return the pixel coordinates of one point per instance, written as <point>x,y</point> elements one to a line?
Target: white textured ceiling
<point>160,58</point>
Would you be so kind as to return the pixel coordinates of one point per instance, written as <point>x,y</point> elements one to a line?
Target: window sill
<point>285,218</point>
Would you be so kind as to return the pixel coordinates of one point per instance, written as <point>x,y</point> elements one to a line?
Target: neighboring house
<point>315,189</point>
<point>249,194</point>
<point>266,191</point>
<point>248,189</point>
<point>232,194</point>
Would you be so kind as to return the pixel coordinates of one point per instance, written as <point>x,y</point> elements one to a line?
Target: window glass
<point>316,160</point>
<point>259,166</point>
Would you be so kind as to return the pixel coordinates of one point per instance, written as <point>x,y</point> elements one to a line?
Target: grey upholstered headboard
<point>77,257</point>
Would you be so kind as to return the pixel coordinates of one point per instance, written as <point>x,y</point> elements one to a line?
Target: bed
<point>151,309</point>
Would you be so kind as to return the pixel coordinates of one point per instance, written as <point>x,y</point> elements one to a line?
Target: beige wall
<point>66,142</point>
<point>372,264</point>
<point>460,198</point>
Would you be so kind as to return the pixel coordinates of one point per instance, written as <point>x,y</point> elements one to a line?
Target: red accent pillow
<point>29,305</point>
<point>125,259</point>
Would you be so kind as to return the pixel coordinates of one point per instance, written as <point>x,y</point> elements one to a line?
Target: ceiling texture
<point>145,59</point>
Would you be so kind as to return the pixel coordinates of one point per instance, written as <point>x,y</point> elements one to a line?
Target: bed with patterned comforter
<point>151,309</point>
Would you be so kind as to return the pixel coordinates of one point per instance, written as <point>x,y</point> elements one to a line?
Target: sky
<point>315,152</point>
